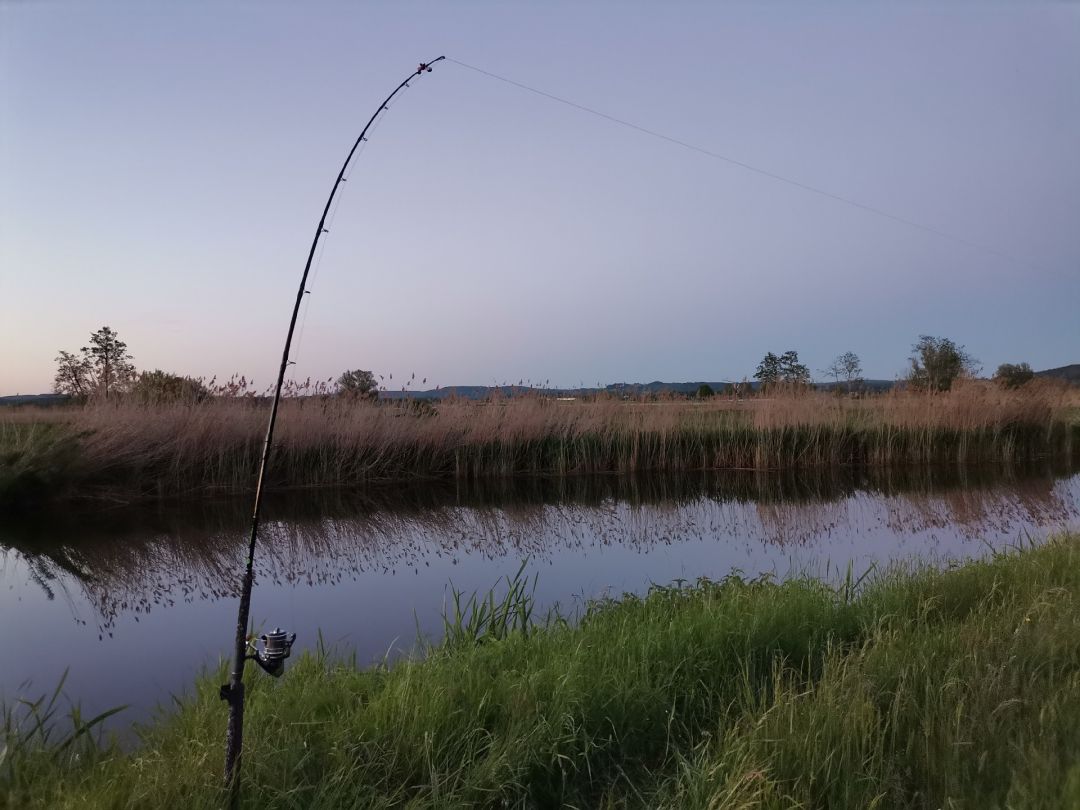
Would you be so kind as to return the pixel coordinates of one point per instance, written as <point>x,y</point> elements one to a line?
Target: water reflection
<point>368,567</point>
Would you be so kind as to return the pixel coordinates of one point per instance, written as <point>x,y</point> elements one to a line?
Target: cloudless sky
<point>163,166</point>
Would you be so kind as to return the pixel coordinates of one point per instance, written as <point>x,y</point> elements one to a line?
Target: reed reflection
<point>133,561</point>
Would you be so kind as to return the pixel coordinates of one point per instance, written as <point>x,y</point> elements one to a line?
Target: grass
<point>955,688</point>
<point>36,459</point>
<point>132,451</point>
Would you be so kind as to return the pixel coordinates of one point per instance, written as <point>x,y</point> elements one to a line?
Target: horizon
<point>531,385</point>
<point>163,171</point>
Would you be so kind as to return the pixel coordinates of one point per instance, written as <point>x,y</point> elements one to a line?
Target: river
<point>134,601</point>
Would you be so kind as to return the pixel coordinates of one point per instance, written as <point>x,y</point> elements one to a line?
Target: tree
<point>792,371</point>
<point>1013,375</point>
<point>937,362</point>
<point>358,384</point>
<point>108,356</point>
<point>705,391</point>
<point>103,367</point>
<point>846,367</point>
<point>72,375</point>
<point>157,386</point>
<point>785,368</point>
<point>768,370</point>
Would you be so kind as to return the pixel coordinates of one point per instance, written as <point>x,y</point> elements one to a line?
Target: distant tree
<point>792,371</point>
<point>768,370</point>
<point>359,384</point>
<point>155,387</point>
<point>846,367</point>
<point>786,368</point>
<point>937,362</point>
<point>1013,375</point>
<point>112,366</point>
<point>72,375</point>
<point>705,391</point>
<point>103,367</point>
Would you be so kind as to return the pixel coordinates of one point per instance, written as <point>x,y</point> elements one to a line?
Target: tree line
<point>935,364</point>
<point>104,369</point>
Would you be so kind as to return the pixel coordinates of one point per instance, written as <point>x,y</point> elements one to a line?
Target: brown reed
<point>169,449</point>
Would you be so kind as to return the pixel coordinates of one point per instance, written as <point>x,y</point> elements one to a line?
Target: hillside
<point>35,399</point>
<point>1070,373</point>
<point>617,389</point>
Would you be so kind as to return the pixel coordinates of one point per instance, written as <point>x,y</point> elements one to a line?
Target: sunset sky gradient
<point>162,169</point>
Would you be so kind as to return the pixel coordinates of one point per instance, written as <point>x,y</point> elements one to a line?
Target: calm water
<point>135,602</point>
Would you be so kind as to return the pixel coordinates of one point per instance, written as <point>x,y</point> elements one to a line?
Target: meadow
<point>126,451</point>
<point>917,687</point>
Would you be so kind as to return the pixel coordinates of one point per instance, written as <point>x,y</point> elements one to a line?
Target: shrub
<point>1013,375</point>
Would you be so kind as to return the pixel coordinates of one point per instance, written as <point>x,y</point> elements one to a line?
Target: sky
<point>163,168</point>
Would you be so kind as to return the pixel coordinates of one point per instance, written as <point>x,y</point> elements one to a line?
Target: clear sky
<point>162,168</point>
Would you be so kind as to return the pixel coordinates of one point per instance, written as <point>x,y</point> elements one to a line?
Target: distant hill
<point>35,399</point>
<point>486,391</point>
<point>1069,373</point>
<point>876,386</point>
<point>615,389</point>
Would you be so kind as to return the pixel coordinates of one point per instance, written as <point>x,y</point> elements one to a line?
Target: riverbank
<point>956,688</point>
<point>130,452</point>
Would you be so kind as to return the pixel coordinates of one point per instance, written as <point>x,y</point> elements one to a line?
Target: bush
<point>1013,375</point>
<point>936,363</point>
<point>359,384</point>
<point>157,387</point>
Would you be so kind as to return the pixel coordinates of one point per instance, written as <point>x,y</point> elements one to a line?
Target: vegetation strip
<point>957,688</point>
<point>129,451</point>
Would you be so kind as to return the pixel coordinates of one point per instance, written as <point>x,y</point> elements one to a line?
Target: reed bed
<point>183,448</point>
<point>955,688</point>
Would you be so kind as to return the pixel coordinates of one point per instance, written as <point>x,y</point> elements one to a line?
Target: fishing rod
<point>277,645</point>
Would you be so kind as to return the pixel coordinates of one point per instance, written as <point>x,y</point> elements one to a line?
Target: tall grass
<point>172,449</point>
<point>36,459</point>
<point>957,688</point>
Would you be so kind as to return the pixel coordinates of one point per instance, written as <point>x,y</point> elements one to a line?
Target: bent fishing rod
<point>277,645</point>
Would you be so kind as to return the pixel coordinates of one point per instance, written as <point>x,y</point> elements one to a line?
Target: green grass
<point>957,688</point>
<point>35,462</point>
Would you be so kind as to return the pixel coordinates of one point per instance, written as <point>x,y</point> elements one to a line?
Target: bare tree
<point>846,367</point>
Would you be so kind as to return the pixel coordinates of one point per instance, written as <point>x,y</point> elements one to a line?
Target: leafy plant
<point>937,362</point>
<point>358,384</point>
<point>1013,375</point>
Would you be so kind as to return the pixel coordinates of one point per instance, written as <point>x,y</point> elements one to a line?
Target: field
<point>951,688</point>
<point>123,451</point>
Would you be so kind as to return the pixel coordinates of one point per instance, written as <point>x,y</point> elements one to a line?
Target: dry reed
<point>328,441</point>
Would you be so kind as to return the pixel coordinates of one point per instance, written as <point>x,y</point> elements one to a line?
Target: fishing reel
<point>276,647</point>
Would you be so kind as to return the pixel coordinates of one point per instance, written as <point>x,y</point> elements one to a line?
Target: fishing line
<point>298,351</point>
<point>751,168</point>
